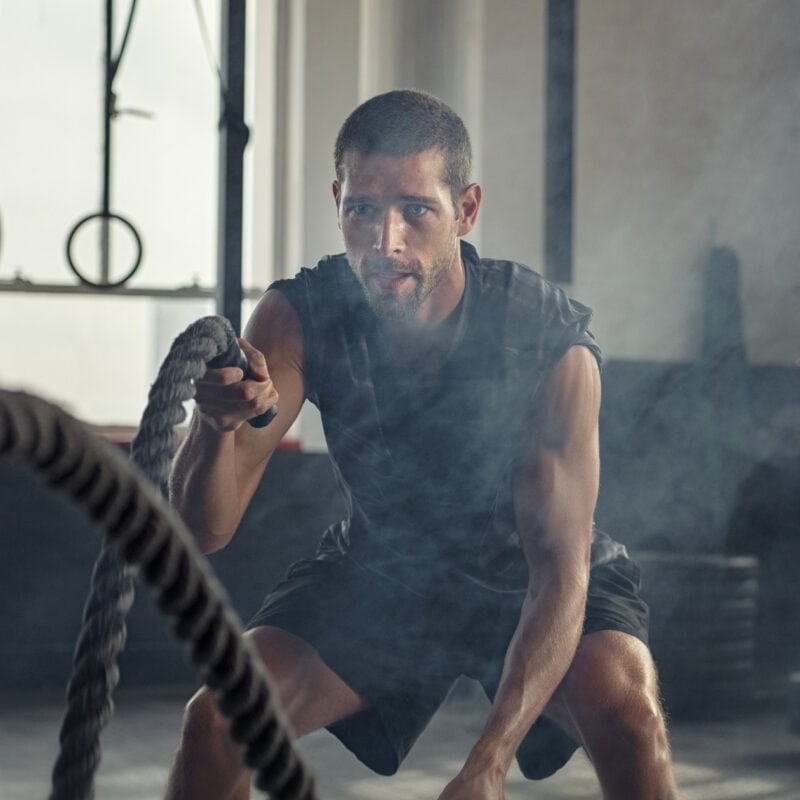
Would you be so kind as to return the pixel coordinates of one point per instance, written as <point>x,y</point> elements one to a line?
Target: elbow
<point>563,568</point>
<point>209,541</point>
<point>212,544</point>
<point>205,536</point>
<point>566,586</point>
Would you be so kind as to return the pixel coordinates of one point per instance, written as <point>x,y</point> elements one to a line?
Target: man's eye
<point>416,210</point>
<point>359,209</point>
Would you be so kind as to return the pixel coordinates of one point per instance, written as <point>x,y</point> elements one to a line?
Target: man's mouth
<point>390,280</point>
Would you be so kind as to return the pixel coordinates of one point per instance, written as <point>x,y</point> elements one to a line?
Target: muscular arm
<point>222,460</point>
<point>555,492</point>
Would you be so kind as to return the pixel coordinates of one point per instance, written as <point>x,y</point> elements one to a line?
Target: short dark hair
<point>404,122</point>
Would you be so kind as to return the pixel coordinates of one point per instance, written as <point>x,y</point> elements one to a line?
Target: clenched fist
<point>226,401</point>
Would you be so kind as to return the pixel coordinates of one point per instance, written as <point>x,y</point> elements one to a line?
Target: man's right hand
<point>225,401</point>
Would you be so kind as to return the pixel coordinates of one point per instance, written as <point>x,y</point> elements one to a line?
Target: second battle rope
<point>148,536</point>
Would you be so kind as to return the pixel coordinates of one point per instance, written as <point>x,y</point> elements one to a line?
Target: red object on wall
<point>123,436</point>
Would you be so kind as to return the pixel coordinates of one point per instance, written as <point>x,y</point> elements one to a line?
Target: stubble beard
<point>400,308</point>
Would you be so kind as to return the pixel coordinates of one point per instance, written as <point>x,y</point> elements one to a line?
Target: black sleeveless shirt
<point>425,461</point>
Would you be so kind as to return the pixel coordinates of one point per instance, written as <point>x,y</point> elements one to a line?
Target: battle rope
<point>148,535</point>
<point>94,676</point>
<point>95,673</point>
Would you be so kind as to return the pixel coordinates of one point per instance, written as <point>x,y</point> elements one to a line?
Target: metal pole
<point>232,142</point>
<point>108,110</point>
<point>559,141</point>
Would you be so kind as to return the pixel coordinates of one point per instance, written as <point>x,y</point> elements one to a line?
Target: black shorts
<point>402,652</point>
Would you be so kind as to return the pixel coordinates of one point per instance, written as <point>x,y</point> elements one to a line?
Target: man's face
<point>401,230</point>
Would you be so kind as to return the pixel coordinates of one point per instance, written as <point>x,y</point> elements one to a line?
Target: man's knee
<point>202,718</point>
<point>612,688</point>
<point>636,724</point>
<point>610,698</point>
<point>289,663</point>
<point>283,656</point>
<point>204,722</point>
<point>310,693</point>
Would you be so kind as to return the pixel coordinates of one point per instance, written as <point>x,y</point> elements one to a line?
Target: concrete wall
<point>686,138</point>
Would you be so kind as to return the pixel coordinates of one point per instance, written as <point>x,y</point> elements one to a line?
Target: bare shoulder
<point>274,328</point>
<point>556,484</point>
<point>572,397</point>
<point>577,365</point>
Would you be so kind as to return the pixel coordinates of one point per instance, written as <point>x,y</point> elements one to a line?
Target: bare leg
<point>208,764</point>
<point>609,703</point>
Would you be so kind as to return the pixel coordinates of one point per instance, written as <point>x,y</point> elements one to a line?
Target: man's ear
<point>468,205</point>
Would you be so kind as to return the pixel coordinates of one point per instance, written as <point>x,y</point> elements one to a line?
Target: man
<point>459,399</point>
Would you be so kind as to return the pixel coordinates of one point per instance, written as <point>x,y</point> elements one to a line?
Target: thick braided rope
<point>243,694</point>
<point>95,673</point>
<point>156,441</point>
<point>148,534</point>
<point>94,677</point>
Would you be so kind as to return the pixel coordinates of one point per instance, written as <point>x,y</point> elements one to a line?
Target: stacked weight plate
<point>794,703</point>
<point>703,624</point>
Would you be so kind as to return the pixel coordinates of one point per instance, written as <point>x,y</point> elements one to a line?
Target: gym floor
<point>752,758</point>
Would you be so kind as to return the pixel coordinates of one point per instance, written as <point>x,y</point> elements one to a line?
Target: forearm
<point>555,491</point>
<point>204,486</point>
<point>222,460</point>
<point>537,659</point>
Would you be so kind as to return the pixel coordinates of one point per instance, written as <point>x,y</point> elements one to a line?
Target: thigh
<point>363,637</point>
<point>310,693</point>
<point>377,636</point>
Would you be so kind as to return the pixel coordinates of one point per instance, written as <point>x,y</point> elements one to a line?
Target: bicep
<point>556,483</point>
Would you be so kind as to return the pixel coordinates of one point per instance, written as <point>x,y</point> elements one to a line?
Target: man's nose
<point>390,233</point>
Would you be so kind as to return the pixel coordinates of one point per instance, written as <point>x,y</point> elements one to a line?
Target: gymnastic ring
<point>104,215</point>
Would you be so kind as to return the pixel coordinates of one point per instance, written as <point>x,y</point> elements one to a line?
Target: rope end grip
<point>234,357</point>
